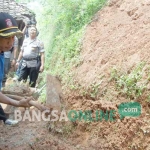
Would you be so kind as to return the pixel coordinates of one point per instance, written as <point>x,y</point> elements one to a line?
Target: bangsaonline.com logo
<point>130,109</point>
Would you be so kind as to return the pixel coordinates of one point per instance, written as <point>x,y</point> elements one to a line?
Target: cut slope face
<point>118,36</point>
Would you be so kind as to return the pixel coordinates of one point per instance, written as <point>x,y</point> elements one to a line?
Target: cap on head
<point>8,26</point>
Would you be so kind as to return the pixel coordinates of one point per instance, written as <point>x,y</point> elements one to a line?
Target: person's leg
<point>38,63</point>
<point>6,69</point>
<point>4,118</point>
<point>33,76</point>
<point>19,68</point>
<point>2,114</point>
<point>23,73</point>
<point>0,84</point>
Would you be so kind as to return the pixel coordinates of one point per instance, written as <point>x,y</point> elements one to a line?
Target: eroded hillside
<point>114,68</point>
<point>118,37</point>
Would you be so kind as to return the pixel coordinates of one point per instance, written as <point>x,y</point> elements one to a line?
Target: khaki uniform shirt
<point>31,49</point>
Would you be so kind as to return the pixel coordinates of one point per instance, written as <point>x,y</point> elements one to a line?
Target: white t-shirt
<point>9,54</point>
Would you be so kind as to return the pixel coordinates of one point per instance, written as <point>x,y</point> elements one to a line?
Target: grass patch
<point>130,84</point>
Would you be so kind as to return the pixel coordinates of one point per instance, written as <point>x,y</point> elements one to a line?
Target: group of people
<point>30,59</point>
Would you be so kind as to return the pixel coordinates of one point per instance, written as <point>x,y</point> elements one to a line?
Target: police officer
<point>30,51</point>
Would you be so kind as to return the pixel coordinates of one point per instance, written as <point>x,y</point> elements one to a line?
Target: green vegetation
<point>130,84</point>
<point>91,91</point>
<point>61,24</point>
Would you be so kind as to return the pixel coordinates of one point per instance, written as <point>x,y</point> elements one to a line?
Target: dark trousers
<point>19,67</point>
<point>7,66</point>
<point>31,72</point>
<point>2,114</point>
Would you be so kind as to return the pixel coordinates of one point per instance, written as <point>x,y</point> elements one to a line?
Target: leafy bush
<point>129,83</point>
<point>62,24</point>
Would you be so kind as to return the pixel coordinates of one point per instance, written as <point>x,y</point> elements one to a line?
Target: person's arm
<point>19,58</point>
<point>15,52</point>
<point>42,62</point>
<point>22,103</point>
<point>14,55</point>
<point>24,29</point>
<point>41,50</point>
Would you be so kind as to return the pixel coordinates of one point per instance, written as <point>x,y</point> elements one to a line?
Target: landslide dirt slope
<point>118,36</point>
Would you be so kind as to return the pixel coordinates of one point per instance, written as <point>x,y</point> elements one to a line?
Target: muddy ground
<point>118,36</point>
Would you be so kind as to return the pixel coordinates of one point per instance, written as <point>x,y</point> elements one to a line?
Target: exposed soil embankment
<point>118,36</point>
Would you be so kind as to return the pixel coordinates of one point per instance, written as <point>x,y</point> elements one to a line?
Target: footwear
<point>11,122</point>
<point>15,78</point>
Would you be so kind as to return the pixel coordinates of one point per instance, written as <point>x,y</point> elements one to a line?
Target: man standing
<point>8,30</point>
<point>25,32</point>
<point>30,51</point>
